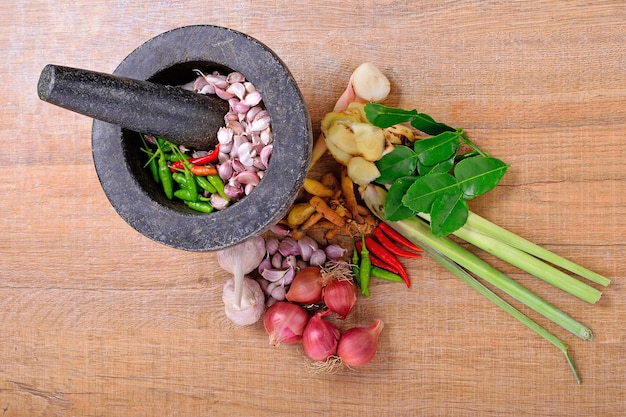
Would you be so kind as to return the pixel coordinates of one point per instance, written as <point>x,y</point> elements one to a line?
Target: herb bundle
<point>422,193</point>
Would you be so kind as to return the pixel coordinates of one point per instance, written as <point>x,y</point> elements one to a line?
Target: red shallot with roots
<point>285,322</point>
<point>358,345</point>
<point>320,338</point>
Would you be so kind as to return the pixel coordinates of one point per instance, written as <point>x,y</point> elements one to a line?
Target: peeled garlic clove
<point>235,77</point>
<point>249,87</point>
<point>236,127</point>
<point>251,114</point>
<point>224,135</point>
<point>223,94</point>
<point>260,124</point>
<point>238,106</point>
<point>248,188</point>
<point>247,177</point>
<point>218,202</point>
<point>246,159</point>
<point>267,137</point>
<point>257,163</point>
<point>238,90</point>
<point>265,154</point>
<point>238,166</point>
<point>252,99</point>
<point>216,80</point>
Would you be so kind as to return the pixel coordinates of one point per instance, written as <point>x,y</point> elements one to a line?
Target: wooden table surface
<point>98,320</point>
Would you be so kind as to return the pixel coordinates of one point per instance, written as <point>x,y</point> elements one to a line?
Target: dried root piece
<point>328,213</point>
<point>347,188</point>
<point>301,231</point>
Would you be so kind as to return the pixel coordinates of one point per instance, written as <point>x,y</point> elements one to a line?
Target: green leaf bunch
<point>432,177</point>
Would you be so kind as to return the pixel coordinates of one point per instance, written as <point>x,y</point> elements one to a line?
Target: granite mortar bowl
<point>170,58</point>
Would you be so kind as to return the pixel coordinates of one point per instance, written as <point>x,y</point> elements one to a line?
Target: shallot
<point>358,345</point>
<point>320,338</point>
<point>339,295</point>
<point>306,287</point>
<point>284,322</point>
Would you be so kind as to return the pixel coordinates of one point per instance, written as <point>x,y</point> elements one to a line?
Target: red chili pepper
<point>396,236</point>
<point>202,160</point>
<point>386,256</point>
<point>376,261</point>
<point>392,247</point>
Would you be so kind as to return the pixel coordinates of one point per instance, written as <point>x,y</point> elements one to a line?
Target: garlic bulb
<point>252,303</point>
<point>240,260</point>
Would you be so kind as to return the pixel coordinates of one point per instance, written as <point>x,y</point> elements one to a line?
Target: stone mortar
<point>170,58</point>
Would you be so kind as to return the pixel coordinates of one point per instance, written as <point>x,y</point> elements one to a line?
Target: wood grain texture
<point>99,321</point>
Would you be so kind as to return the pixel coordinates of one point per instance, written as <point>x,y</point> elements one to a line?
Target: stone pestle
<point>181,116</point>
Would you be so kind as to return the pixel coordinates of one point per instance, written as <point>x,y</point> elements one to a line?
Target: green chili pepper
<point>180,178</point>
<point>205,184</point>
<point>366,268</point>
<point>386,275</point>
<point>165,146</point>
<point>191,183</point>
<point>216,182</point>
<point>201,206</point>
<point>184,195</point>
<point>166,176</point>
<point>174,157</point>
<point>356,271</point>
<point>154,170</point>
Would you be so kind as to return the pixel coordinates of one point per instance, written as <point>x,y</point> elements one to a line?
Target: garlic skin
<point>252,302</point>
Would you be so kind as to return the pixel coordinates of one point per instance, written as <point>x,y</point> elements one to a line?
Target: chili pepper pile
<point>191,180</point>
<point>378,256</point>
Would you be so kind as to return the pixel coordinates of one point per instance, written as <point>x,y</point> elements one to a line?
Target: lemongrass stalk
<point>497,300</point>
<point>528,263</point>
<point>484,226</point>
<point>416,229</point>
